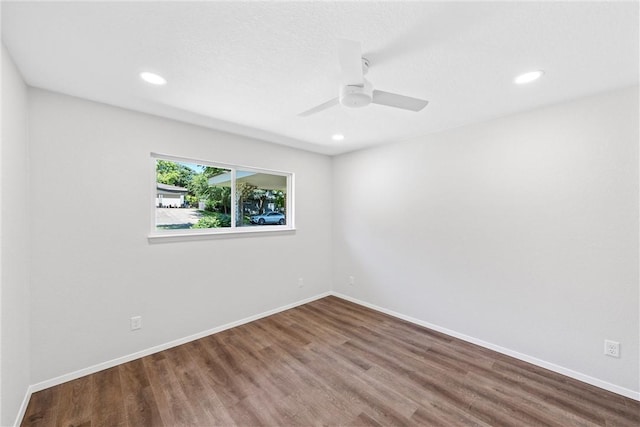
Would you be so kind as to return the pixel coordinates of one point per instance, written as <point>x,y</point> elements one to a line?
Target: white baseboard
<point>526,358</point>
<point>23,406</point>
<point>137,355</point>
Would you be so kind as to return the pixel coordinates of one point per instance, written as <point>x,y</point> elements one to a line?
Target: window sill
<point>155,237</point>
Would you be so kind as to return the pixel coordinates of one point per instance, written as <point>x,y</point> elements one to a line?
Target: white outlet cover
<point>136,323</point>
<point>612,348</point>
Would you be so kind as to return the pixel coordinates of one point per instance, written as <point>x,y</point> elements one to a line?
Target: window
<point>195,197</point>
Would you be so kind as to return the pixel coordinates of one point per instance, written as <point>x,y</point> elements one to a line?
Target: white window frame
<point>223,231</point>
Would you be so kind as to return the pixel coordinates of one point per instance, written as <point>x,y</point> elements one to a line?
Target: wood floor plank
<point>214,374</point>
<point>328,362</point>
<point>228,369</point>
<point>75,405</point>
<point>590,396</point>
<point>140,403</point>
<point>173,405</point>
<point>547,414</point>
<point>376,393</point>
<point>108,403</point>
<point>199,388</point>
<point>43,407</point>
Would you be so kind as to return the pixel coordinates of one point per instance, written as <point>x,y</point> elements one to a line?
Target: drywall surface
<point>14,237</point>
<point>521,232</point>
<point>93,266</point>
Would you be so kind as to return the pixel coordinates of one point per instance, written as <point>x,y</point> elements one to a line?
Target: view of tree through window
<point>195,196</point>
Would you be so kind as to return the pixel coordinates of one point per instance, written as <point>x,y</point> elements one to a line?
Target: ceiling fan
<point>356,91</point>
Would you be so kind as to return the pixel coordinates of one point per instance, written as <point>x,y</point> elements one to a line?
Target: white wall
<point>522,232</point>
<point>92,265</point>
<point>14,237</point>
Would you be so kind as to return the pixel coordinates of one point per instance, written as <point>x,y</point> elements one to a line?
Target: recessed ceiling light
<point>337,137</point>
<point>152,78</point>
<point>528,77</point>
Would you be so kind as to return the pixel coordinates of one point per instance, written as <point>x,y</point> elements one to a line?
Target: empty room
<point>266,213</point>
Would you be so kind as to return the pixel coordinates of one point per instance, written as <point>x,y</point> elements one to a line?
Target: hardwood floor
<point>329,362</point>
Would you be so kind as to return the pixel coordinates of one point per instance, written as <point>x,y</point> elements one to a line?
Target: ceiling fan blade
<point>319,108</point>
<point>398,101</point>
<point>350,56</point>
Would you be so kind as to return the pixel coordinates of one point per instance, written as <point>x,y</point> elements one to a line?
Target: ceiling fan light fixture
<point>356,96</point>
<point>153,78</point>
<point>356,91</point>
<point>337,137</point>
<point>528,77</point>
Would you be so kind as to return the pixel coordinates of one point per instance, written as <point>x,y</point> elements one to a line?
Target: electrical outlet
<point>136,323</point>
<point>612,348</point>
<point>300,282</point>
<point>352,281</point>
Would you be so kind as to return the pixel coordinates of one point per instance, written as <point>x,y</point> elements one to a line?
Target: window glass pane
<point>261,199</point>
<point>204,196</point>
<point>191,196</point>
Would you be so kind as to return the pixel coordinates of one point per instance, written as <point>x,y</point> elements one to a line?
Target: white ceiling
<point>251,67</point>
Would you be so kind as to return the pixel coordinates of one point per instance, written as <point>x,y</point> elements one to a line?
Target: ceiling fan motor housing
<point>356,96</point>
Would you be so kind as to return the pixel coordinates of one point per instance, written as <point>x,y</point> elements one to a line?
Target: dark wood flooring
<point>329,362</point>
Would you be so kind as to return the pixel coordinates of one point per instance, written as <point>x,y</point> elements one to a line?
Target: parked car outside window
<point>269,218</point>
